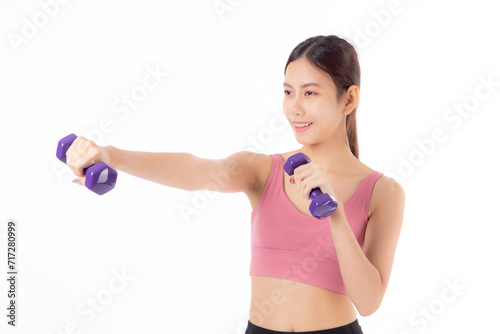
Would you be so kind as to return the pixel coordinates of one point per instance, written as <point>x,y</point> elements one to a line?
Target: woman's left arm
<point>366,273</point>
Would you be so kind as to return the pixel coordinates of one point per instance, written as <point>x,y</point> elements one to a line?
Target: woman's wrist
<point>108,156</point>
<point>339,213</point>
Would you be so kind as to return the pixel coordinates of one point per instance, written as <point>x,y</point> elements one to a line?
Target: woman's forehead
<point>301,73</point>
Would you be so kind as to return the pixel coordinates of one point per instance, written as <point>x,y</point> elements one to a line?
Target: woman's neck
<point>334,157</point>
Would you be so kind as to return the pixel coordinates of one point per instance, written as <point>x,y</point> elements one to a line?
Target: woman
<point>308,274</point>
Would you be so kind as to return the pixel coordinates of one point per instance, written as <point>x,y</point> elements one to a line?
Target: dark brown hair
<point>339,59</point>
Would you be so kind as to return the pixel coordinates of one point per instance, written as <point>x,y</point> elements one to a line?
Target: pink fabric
<point>286,243</point>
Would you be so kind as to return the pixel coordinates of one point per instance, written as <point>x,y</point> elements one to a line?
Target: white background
<point>224,85</point>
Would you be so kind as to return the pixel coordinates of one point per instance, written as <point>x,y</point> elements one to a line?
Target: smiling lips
<point>302,126</point>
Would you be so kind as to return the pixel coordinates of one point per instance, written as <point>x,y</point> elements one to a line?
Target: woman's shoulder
<point>261,161</point>
<point>386,188</point>
<point>387,195</point>
<point>385,191</point>
<point>260,165</point>
<point>383,183</point>
<point>256,164</point>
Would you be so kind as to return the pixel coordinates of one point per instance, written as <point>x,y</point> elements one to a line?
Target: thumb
<point>79,180</point>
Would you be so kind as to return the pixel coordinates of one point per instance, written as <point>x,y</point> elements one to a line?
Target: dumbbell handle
<point>100,178</point>
<point>325,204</point>
<point>315,193</point>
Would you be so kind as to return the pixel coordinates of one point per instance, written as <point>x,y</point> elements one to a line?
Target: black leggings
<point>352,328</point>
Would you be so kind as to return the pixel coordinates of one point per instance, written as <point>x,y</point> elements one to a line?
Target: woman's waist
<point>285,305</point>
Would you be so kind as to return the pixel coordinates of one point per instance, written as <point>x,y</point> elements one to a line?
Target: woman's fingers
<point>301,179</point>
<point>82,154</point>
<point>310,176</point>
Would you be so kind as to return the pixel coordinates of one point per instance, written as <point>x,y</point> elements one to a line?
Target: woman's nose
<point>297,107</point>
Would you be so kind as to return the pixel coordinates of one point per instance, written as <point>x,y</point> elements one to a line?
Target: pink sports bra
<point>285,243</point>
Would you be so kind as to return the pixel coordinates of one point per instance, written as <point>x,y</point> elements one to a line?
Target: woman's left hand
<point>310,176</point>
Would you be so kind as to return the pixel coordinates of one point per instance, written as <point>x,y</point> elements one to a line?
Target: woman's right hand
<point>84,153</point>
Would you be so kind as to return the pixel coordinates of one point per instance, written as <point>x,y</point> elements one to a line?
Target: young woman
<point>308,274</point>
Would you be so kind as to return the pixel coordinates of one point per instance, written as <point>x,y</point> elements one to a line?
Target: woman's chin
<point>303,141</point>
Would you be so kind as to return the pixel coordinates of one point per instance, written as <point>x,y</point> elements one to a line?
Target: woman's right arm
<point>236,173</point>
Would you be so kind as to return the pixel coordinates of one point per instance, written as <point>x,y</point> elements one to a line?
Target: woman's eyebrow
<point>303,86</point>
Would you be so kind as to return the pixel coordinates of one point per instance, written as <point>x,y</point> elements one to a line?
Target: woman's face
<point>311,98</point>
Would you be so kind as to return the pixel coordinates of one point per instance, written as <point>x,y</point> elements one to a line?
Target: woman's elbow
<point>364,312</point>
<point>369,307</point>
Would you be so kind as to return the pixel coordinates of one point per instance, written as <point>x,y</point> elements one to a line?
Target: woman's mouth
<point>299,127</point>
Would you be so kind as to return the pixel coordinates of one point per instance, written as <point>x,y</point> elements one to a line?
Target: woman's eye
<point>308,93</point>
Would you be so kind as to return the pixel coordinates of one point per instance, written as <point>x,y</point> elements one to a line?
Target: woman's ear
<point>351,99</point>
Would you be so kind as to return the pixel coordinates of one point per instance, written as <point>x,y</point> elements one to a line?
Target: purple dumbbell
<point>322,205</point>
<point>99,178</point>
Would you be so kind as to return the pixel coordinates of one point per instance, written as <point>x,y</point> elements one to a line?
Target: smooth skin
<point>280,304</point>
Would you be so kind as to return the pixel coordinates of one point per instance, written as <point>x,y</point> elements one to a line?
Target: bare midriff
<point>289,306</point>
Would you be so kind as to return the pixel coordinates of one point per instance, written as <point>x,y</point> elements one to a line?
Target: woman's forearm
<point>176,170</point>
<point>361,278</point>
